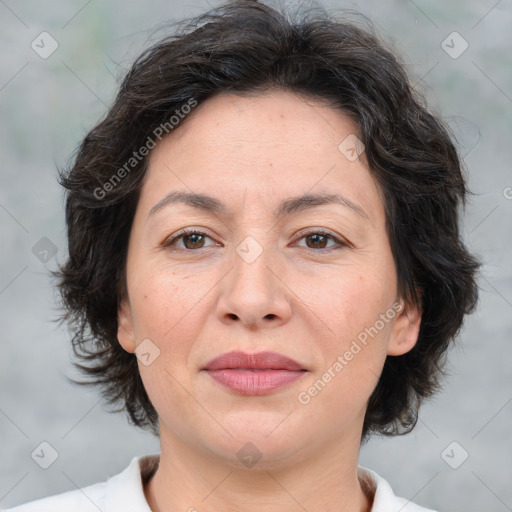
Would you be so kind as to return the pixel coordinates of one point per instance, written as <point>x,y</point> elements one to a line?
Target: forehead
<point>235,120</point>
<point>264,146</point>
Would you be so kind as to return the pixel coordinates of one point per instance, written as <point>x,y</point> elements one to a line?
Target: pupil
<point>194,238</point>
<point>316,238</point>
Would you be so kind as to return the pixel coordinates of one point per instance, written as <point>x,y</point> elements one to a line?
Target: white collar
<point>126,489</point>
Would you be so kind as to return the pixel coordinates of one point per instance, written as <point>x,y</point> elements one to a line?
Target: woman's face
<point>311,279</point>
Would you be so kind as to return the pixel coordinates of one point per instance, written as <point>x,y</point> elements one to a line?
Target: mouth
<point>254,374</point>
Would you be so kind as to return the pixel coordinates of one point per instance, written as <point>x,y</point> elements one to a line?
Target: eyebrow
<point>291,205</point>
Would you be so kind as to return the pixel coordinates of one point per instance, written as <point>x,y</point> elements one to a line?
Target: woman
<point>265,265</point>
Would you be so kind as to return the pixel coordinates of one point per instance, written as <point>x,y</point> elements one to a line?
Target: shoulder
<point>121,492</point>
<point>80,500</point>
<point>384,499</point>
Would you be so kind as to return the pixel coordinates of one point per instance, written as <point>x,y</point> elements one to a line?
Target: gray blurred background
<point>459,457</point>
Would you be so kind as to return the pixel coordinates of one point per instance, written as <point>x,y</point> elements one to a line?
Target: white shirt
<point>125,493</point>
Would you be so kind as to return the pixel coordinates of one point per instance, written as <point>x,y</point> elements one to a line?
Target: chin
<point>262,441</point>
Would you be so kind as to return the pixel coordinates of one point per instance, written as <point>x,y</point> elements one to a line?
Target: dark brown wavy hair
<point>246,47</point>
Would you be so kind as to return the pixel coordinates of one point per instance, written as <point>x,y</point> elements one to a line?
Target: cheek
<point>350,301</point>
<point>354,352</point>
<point>168,309</point>
<point>163,302</point>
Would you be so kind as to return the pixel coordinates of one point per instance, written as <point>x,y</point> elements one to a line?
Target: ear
<point>125,331</point>
<point>406,328</point>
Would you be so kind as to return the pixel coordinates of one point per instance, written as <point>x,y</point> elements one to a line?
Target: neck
<point>192,480</point>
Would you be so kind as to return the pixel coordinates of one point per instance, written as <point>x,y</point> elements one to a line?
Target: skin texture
<point>305,297</point>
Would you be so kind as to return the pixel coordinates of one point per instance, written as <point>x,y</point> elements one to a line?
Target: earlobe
<point>125,333</point>
<point>406,329</point>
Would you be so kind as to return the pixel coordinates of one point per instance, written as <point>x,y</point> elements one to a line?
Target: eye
<point>319,238</point>
<point>192,240</point>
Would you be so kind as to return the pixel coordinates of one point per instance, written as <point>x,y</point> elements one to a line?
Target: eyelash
<point>187,232</point>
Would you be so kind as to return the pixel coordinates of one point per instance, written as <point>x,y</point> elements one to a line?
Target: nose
<point>255,293</point>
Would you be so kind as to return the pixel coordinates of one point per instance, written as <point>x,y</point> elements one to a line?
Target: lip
<point>254,374</point>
